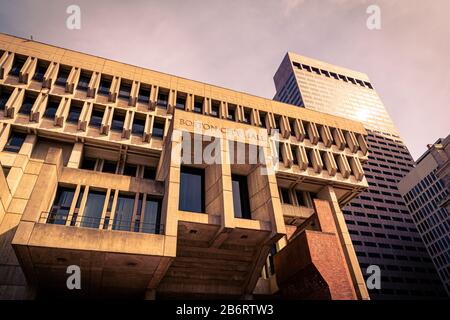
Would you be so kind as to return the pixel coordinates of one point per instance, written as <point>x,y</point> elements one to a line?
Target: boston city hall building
<point>104,168</point>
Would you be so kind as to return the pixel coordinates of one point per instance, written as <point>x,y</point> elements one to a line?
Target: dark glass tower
<point>381,227</point>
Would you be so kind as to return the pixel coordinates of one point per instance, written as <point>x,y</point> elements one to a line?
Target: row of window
<point>147,218</point>
<point>334,75</point>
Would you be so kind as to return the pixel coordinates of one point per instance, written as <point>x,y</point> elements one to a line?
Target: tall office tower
<point>426,191</point>
<point>381,227</point>
<point>92,176</point>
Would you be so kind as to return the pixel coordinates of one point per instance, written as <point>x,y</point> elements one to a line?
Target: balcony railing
<point>106,223</point>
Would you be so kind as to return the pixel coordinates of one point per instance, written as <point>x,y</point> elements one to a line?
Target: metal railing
<point>117,224</point>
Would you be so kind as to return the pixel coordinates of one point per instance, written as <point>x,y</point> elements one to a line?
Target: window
<point>129,170</point>
<point>105,84</point>
<point>124,212</point>
<point>109,166</point>
<point>27,104</point>
<point>144,94</point>
<point>262,119</point>
<point>181,102</point>
<point>63,74</point>
<point>231,112</point>
<point>52,106</point>
<point>39,73</point>
<point>4,97</point>
<point>198,105</point>
<point>118,120</point>
<point>294,154</point>
<point>96,117</point>
<point>285,196</point>
<point>247,116</point>
<point>215,108</point>
<point>88,164</point>
<point>300,198</point>
<point>158,128</point>
<point>149,173</point>
<point>192,189</point>
<point>18,63</point>
<point>152,216</point>
<point>241,202</point>
<point>83,81</point>
<point>93,210</point>
<point>138,124</point>
<point>15,142</point>
<point>163,98</point>
<point>61,205</point>
<point>125,89</point>
<point>75,111</point>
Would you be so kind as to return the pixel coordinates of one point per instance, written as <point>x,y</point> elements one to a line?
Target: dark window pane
<point>96,118</point>
<point>104,86</point>
<point>124,212</point>
<point>162,100</point>
<point>27,104</point>
<point>52,106</point>
<point>117,122</point>
<point>241,203</point>
<point>74,114</point>
<point>138,126</point>
<point>88,164</point>
<point>4,97</point>
<point>40,72</point>
<point>63,74</point>
<point>192,190</point>
<point>215,110</point>
<point>231,114</point>
<point>158,129</point>
<point>152,216</point>
<point>17,65</point>
<point>129,170</point>
<point>109,166</point>
<point>285,195</point>
<point>300,198</point>
<point>144,95</point>
<point>15,142</point>
<point>93,210</point>
<point>83,82</point>
<point>61,206</point>
<point>181,103</point>
<point>149,173</point>
<point>124,90</point>
<point>198,106</point>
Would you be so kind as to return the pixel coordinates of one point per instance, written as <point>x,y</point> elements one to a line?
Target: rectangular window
<point>88,163</point>
<point>294,154</point>
<point>163,98</point>
<point>241,202</point>
<point>152,216</point>
<point>144,93</point>
<point>247,116</point>
<point>15,142</point>
<point>96,117</point>
<point>215,108</point>
<point>52,106</point>
<point>262,119</point>
<point>198,105</point>
<point>300,198</point>
<point>149,173</point>
<point>18,63</point>
<point>118,120</point>
<point>181,101</point>
<point>124,212</point>
<point>83,81</point>
<point>63,74</point>
<point>129,170</point>
<point>61,206</point>
<point>158,128</point>
<point>192,190</point>
<point>231,112</point>
<point>4,97</point>
<point>27,104</point>
<point>125,89</point>
<point>285,196</point>
<point>94,209</point>
<point>75,111</point>
<point>105,84</point>
<point>138,124</point>
<point>109,166</point>
<point>39,73</point>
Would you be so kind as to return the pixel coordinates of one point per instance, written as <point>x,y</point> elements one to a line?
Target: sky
<point>240,44</point>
